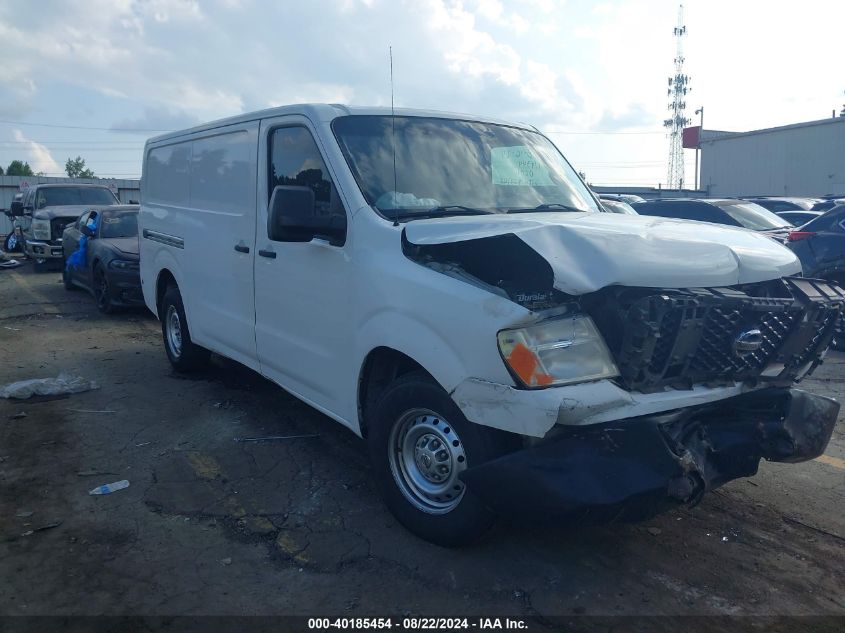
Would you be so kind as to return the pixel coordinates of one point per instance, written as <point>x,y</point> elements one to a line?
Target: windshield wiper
<point>438,212</point>
<point>550,206</point>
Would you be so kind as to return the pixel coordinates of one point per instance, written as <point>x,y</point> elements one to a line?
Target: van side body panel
<point>200,193</point>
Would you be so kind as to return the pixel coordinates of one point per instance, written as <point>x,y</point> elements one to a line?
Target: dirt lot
<point>210,525</point>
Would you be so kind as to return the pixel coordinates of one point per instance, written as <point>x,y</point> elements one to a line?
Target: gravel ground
<point>213,526</point>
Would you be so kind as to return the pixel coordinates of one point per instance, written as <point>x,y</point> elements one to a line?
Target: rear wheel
<point>420,443</point>
<point>184,355</point>
<point>102,292</point>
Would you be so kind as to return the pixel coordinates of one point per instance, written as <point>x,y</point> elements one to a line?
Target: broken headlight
<point>557,352</point>
<point>41,229</point>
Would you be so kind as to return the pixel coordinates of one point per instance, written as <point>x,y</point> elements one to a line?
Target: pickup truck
<point>45,210</point>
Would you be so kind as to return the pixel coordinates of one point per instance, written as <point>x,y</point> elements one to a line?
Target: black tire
<point>17,248</point>
<point>186,356</point>
<point>402,406</point>
<point>102,292</point>
<point>68,284</point>
<point>40,267</point>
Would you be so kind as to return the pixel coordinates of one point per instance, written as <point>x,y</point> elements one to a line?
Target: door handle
<point>270,254</point>
<point>241,248</point>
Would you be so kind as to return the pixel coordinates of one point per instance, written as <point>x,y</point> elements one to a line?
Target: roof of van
<point>327,112</point>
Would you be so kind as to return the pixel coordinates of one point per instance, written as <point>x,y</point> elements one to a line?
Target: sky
<point>97,78</point>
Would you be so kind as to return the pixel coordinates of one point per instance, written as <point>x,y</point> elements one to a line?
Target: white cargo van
<point>447,287</point>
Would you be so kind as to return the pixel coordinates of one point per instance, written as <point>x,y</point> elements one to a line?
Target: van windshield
<point>452,167</point>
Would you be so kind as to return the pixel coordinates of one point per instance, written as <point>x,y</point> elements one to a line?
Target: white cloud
<point>38,156</point>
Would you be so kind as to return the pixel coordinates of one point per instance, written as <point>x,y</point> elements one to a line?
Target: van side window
<point>295,160</point>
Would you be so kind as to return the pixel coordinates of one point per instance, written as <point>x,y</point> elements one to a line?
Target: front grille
<point>680,338</point>
<point>58,225</point>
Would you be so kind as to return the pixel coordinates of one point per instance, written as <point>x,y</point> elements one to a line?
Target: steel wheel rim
<point>426,457</point>
<point>174,331</point>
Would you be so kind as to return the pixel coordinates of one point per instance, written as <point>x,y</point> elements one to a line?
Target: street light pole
<point>700,111</point>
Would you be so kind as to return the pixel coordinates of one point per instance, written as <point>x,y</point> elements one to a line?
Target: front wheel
<point>420,443</point>
<point>102,292</point>
<point>183,353</point>
<point>66,280</point>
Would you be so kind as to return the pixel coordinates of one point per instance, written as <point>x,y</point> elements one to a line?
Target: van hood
<point>589,251</point>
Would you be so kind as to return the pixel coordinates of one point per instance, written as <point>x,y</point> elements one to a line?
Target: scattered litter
<point>109,488</point>
<point>27,533</point>
<point>91,411</point>
<point>13,329</point>
<point>91,473</point>
<point>273,438</point>
<point>12,263</point>
<point>225,404</point>
<point>63,384</point>
<point>17,416</point>
<point>49,526</point>
<point>655,531</point>
<point>23,514</point>
<point>226,561</point>
<point>724,539</point>
<point>143,444</point>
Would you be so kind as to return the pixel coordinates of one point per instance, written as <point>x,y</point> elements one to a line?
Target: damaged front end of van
<point>640,382</point>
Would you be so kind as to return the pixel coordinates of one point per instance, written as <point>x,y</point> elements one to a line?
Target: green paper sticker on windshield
<point>517,167</point>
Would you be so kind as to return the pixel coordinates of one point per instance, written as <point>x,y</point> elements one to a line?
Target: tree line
<point>74,168</point>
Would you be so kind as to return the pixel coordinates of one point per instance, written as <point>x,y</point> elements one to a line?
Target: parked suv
<point>46,209</point>
<point>447,288</point>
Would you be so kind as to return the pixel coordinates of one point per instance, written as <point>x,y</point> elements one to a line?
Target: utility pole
<point>678,88</point>
<point>700,111</point>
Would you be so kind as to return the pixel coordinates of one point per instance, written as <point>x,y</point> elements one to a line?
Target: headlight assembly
<point>122,264</point>
<point>558,351</point>
<point>41,229</point>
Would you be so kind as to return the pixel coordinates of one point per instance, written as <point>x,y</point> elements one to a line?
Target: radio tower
<point>678,88</point>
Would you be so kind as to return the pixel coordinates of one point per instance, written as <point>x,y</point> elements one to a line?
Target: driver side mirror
<point>16,208</point>
<point>87,230</point>
<point>292,218</point>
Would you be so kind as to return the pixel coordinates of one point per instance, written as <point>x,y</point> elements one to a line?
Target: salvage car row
<point>449,290</point>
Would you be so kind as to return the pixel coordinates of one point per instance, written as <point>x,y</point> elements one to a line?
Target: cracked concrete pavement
<point>210,525</point>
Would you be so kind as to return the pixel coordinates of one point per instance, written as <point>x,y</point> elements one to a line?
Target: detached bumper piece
<point>771,332</point>
<point>633,469</point>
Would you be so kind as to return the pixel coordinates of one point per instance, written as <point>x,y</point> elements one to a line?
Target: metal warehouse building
<point>804,159</point>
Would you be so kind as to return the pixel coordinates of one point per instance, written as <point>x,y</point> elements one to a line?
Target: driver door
<point>303,290</point>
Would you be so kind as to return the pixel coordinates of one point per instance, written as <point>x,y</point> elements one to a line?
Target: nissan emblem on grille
<point>747,342</point>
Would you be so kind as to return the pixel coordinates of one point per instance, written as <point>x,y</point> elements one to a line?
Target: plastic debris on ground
<point>110,488</point>
<point>63,384</point>
<point>10,263</point>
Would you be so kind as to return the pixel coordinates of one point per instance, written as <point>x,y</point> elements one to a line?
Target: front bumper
<point>44,250</point>
<point>125,287</point>
<point>635,468</point>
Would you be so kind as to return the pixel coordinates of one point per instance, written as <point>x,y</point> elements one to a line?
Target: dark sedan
<point>820,245</point>
<point>101,255</point>
<point>799,218</point>
<point>719,211</point>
